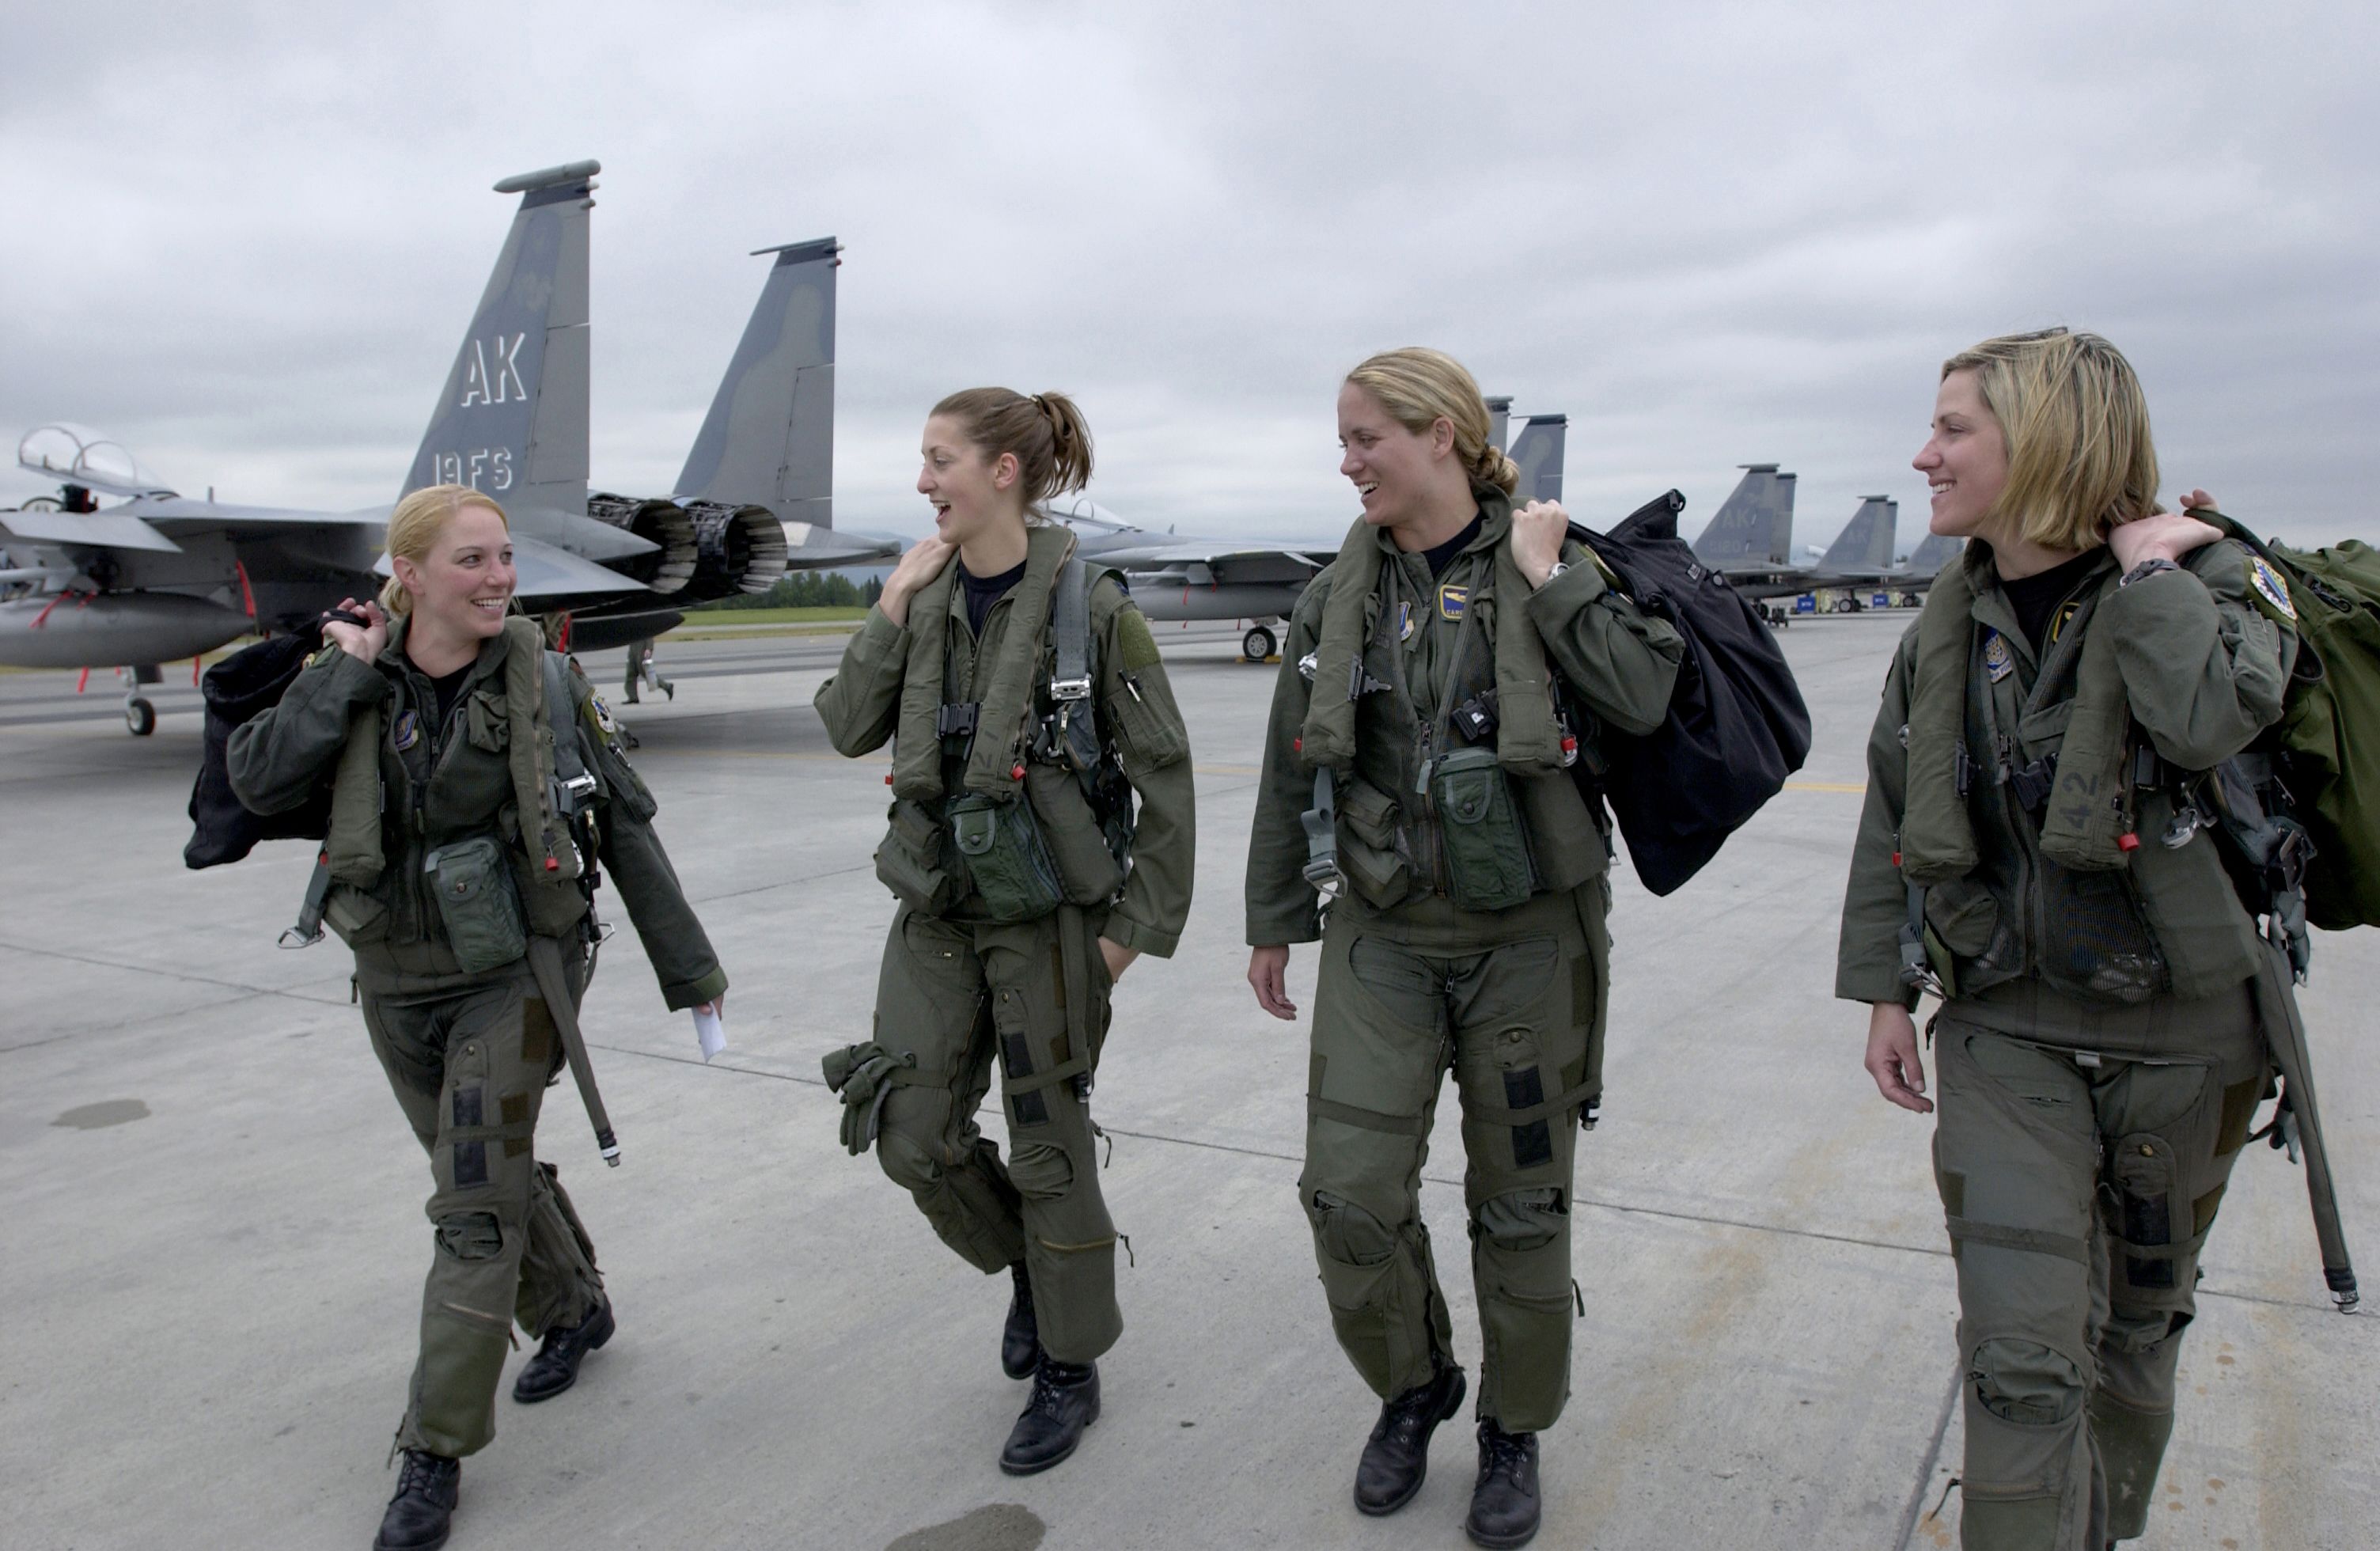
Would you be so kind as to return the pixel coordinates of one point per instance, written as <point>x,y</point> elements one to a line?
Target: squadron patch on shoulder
<point>1134,642</point>
<point>2270,587</point>
<point>1404,622</point>
<point>407,730</point>
<point>602,714</point>
<point>1452,599</point>
<point>1998,660</point>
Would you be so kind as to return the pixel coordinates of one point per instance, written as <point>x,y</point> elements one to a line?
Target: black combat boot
<point>1504,1505</point>
<point>555,1367</point>
<point>419,1515</point>
<point>1397,1457</point>
<point>1020,1343</point>
<point>1065,1400</point>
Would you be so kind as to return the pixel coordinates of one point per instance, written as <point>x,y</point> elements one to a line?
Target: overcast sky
<point>246,240</point>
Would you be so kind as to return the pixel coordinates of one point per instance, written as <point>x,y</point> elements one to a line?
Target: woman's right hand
<point>1269,977</point>
<point>1892,1057</point>
<point>919,564</point>
<point>363,642</point>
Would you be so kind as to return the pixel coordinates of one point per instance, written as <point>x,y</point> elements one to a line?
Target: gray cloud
<point>246,241</point>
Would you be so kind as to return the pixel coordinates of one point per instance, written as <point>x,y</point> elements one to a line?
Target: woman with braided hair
<point>1027,710</point>
<point>1427,768</point>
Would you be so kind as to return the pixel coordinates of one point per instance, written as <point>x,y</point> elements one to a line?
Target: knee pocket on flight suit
<point>1375,1280</point>
<point>1040,1171</point>
<point>1347,1233</point>
<point>2024,1382</point>
<point>470,1236</point>
<point>906,1163</point>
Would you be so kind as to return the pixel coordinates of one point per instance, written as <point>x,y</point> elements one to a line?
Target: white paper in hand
<point>709,1032</point>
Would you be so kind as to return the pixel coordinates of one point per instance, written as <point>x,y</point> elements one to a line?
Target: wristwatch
<point>1557,569</point>
<point>2148,567</point>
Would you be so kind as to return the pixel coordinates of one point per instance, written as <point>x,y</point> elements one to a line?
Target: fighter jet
<point>162,575</point>
<point>1182,579</point>
<point>1750,541</point>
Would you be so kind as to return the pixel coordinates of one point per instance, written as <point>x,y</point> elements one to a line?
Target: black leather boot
<point>555,1367</point>
<point>1065,1400</point>
<point>1020,1342</point>
<point>1396,1459</point>
<point>1504,1505</point>
<point>419,1515</point>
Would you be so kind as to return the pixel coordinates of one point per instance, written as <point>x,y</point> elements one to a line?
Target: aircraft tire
<point>140,717</point>
<point>1258,644</point>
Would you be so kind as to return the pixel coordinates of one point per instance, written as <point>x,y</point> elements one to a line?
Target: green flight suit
<point>2083,1140</point>
<point>469,1055</point>
<point>957,990</point>
<point>1512,1001</point>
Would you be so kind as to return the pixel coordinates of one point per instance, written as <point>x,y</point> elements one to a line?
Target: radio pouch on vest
<point>472,880</point>
<point>1479,825</point>
<point>1006,859</point>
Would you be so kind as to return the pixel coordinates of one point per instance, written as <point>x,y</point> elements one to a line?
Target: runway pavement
<point>211,1261</point>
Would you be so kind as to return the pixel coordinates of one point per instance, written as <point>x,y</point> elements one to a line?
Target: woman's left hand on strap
<point>1537,532</point>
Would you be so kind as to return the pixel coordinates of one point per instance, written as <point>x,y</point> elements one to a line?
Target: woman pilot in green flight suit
<point>458,886</point>
<point>2027,851</point>
<point>1442,676</point>
<point>1027,707</point>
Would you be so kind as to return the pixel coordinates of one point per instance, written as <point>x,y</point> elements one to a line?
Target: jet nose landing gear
<point>1258,645</point>
<point>139,711</point>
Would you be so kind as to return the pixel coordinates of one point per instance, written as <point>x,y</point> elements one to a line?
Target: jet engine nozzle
<point>660,521</point>
<point>743,548</point>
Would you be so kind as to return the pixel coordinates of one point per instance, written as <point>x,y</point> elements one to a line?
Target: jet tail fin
<point>1933,554</point>
<point>1865,543</point>
<point>1754,525</point>
<point>1539,452</point>
<point>769,439</point>
<point>512,418</point>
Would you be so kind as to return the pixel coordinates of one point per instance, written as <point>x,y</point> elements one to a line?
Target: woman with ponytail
<point>1429,770</point>
<point>463,884</point>
<point>1027,710</point>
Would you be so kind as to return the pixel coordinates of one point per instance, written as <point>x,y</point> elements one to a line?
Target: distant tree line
<point>805,589</point>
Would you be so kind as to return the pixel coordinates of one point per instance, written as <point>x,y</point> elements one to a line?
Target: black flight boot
<point>1396,1459</point>
<point>1065,1400</point>
<point>1504,1505</point>
<point>1020,1343</point>
<point>419,1515</point>
<point>555,1367</point>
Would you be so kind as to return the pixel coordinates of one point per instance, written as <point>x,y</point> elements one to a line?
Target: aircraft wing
<point>546,571</point>
<point>809,547</point>
<point>1194,565</point>
<point>103,530</point>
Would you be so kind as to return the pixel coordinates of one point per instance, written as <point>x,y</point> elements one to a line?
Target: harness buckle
<point>956,720</point>
<point>1071,689</point>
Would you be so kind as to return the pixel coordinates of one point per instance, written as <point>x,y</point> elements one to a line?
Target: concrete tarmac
<point>212,1240</point>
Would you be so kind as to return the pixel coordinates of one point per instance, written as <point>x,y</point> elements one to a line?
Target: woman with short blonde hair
<point>2031,853</point>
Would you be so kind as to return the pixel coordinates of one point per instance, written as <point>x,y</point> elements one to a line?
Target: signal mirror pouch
<point>472,880</point>
<point>911,863</point>
<point>1479,825</point>
<point>1006,859</point>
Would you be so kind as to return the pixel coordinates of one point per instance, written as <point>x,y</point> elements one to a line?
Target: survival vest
<point>1007,806</point>
<point>1737,725</point>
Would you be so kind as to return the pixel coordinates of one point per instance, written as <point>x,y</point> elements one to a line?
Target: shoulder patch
<point>604,720</point>
<point>2270,587</point>
<point>1133,643</point>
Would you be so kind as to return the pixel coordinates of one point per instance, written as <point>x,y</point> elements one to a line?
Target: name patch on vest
<point>1998,660</point>
<point>1452,599</point>
<point>407,730</point>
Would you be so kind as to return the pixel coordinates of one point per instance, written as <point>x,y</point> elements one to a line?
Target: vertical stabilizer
<point>1499,419</point>
<point>1866,543</point>
<point>1754,525</point>
<point>1538,452</point>
<point>1933,554</point>
<point>769,439</point>
<point>512,418</point>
